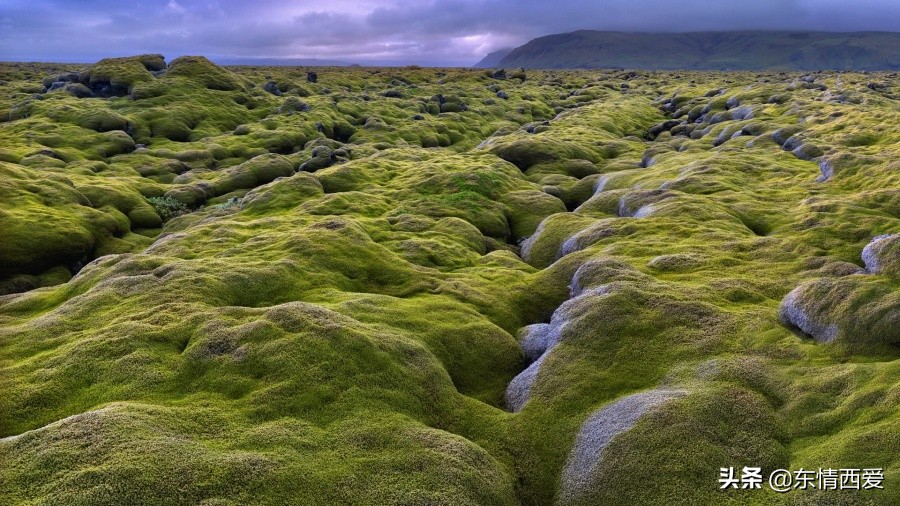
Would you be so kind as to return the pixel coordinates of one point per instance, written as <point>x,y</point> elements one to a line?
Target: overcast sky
<point>390,32</point>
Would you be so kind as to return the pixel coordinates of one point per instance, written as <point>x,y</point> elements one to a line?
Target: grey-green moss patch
<point>597,432</point>
<point>882,255</point>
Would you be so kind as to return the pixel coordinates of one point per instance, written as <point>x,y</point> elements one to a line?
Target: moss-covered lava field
<point>420,286</point>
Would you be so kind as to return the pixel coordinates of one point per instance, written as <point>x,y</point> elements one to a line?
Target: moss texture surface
<point>228,286</point>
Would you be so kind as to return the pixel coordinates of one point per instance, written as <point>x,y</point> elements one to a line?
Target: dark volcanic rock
<point>78,90</point>
<point>272,88</point>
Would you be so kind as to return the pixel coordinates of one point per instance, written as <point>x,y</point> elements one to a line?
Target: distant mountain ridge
<point>733,50</point>
<point>493,59</point>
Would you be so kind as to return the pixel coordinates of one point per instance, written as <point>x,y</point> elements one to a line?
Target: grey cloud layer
<point>389,31</point>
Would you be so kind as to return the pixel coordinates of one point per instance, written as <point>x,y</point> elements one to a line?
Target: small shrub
<point>168,208</point>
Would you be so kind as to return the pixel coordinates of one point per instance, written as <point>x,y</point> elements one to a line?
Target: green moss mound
<point>853,309</point>
<point>114,76</point>
<point>199,69</point>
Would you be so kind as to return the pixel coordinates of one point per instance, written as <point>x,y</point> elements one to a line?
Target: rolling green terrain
<point>252,285</point>
<point>735,50</point>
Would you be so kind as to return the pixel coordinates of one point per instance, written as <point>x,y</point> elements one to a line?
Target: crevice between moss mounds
<point>593,281</point>
<point>66,226</point>
<point>790,139</point>
<point>561,234</point>
<point>598,431</point>
<point>254,172</point>
<point>539,340</point>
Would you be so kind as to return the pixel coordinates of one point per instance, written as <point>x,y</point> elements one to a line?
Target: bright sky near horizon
<point>390,32</point>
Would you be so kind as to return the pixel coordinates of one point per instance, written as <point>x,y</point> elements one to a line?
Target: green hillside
<point>738,50</point>
<point>416,286</point>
